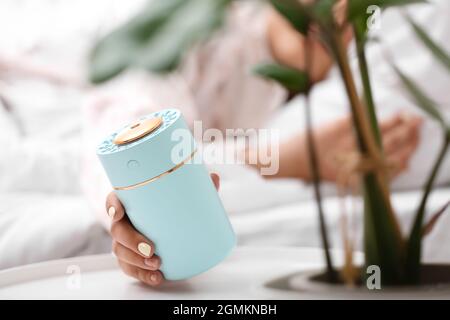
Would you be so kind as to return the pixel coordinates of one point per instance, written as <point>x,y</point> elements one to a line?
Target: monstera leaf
<point>157,37</point>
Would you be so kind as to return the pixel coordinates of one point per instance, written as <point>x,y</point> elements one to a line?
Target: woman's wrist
<point>292,159</point>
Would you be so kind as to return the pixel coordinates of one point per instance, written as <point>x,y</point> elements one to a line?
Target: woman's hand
<point>335,140</point>
<point>135,253</point>
<point>288,46</point>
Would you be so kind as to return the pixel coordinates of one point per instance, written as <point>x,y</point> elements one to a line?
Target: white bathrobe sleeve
<point>398,44</point>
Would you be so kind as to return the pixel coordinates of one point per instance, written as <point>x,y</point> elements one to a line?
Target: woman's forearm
<point>287,47</point>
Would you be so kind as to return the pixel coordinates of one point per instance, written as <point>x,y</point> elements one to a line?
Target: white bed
<point>43,214</point>
<point>37,226</point>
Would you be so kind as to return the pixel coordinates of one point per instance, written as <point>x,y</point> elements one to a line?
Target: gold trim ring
<point>143,183</point>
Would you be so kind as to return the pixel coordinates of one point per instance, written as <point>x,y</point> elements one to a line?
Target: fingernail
<point>111,212</point>
<point>144,248</point>
<point>150,263</point>
<point>153,277</point>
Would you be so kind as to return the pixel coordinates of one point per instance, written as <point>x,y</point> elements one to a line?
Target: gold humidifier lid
<point>138,130</point>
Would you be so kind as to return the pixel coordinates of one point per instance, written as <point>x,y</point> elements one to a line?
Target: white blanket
<point>44,216</point>
<point>36,227</point>
<point>39,226</point>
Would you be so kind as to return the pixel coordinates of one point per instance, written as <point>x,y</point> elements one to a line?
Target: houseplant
<point>157,38</point>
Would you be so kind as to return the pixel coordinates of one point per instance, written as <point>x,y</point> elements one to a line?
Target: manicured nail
<point>153,277</point>
<point>111,212</point>
<point>144,248</point>
<point>150,263</point>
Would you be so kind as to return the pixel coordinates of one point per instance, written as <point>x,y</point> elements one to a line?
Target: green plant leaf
<point>296,13</point>
<point>439,53</point>
<point>383,239</point>
<point>113,53</point>
<point>414,244</point>
<point>358,8</point>
<point>360,41</point>
<point>382,245</point>
<point>429,226</point>
<point>323,10</point>
<point>156,38</point>
<point>420,98</point>
<point>292,79</point>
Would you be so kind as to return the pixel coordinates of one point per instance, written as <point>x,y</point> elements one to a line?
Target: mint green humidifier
<point>169,197</point>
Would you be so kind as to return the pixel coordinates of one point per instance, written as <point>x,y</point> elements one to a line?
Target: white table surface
<point>240,276</point>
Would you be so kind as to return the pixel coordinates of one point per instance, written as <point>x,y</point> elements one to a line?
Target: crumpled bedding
<point>37,226</point>
<point>40,226</point>
<point>44,215</point>
<point>57,222</point>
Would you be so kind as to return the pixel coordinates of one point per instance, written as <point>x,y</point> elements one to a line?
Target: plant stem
<point>365,80</point>
<point>415,238</point>
<point>370,237</point>
<point>365,139</point>
<point>312,153</point>
<point>384,239</point>
<point>315,173</point>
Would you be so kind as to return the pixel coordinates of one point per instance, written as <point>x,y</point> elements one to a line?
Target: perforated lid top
<point>149,152</point>
<point>168,116</point>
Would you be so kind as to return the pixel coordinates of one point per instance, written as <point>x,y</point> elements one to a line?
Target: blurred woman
<point>214,85</point>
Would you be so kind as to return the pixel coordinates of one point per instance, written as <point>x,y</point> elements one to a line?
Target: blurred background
<point>46,138</point>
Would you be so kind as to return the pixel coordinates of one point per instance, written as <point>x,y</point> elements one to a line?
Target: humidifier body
<point>157,173</point>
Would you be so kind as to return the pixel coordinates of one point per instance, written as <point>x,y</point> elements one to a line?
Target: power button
<point>132,164</point>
